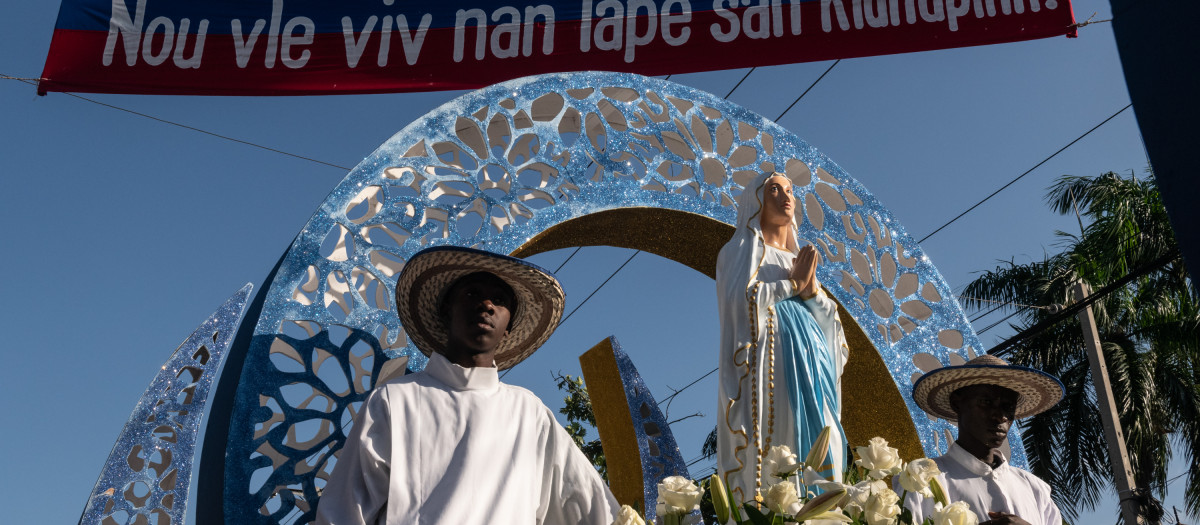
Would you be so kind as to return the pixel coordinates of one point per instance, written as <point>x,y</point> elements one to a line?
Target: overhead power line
<point>810,86</point>
<point>1027,172</point>
<point>1003,348</point>
<point>184,126</point>
<point>585,299</point>
<point>569,257</point>
<point>739,84</point>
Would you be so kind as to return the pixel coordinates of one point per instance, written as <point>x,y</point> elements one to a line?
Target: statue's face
<point>779,206</point>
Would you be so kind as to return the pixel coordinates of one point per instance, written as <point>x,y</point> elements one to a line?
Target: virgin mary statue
<point>782,345</point>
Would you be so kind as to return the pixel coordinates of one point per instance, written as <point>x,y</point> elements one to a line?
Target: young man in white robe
<point>985,396</point>
<point>452,444</point>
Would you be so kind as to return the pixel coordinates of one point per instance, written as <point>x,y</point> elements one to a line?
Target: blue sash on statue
<point>811,374</point>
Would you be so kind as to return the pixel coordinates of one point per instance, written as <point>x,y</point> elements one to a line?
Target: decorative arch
<point>510,168</point>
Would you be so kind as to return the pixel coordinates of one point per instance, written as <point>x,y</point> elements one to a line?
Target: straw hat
<point>427,277</point>
<point>1039,390</point>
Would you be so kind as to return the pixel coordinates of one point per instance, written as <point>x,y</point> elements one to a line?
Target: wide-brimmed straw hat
<point>427,277</point>
<point>1039,390</point>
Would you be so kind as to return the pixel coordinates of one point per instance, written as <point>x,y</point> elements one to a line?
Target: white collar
<point>460,378</point>
<point>972,463</point>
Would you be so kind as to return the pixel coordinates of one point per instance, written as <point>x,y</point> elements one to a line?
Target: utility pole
<point>1118,457</point>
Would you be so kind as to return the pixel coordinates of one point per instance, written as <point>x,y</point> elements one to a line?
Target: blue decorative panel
<point>146,478</point>
<point>656,444</point>
<point>498,166</point>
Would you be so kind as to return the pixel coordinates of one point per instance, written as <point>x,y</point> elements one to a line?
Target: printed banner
<point>307,47</point>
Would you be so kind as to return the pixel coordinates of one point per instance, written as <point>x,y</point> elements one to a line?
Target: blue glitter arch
<point>498,166</point>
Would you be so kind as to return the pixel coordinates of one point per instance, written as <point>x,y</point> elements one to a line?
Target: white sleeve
<point>572,491</point>
<point>1041,491</point>
<point>824,311</point>
<point>357,492</point>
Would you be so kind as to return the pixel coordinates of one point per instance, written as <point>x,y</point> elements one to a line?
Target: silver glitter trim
<point>147,475</point>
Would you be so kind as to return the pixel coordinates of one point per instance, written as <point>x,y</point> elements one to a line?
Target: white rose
<point>678,495</point>
<point>916,476</point>
<point>882,508</point>
<point>628,516</point>
<point>881,460</point>
<point>957,513</point>
<point>780,462</point>
<point>782,498</point>
<point>855,501</point>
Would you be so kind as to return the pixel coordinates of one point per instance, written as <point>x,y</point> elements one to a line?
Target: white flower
<point>782,498</point>
<point>916,476</point>
<point>628,516</point>
<point>957,513</point>
<point>812,478</point>
<point>857,495</point>
<point>882,508</point>
<point>825,485</point>
<point>678,495</point>
<point>881,460</point>
<point>780,462</point>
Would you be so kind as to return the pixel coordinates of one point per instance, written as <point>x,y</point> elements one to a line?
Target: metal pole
<point>1119,458</point>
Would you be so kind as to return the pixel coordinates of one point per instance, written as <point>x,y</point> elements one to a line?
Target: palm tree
<point>1149,329</point>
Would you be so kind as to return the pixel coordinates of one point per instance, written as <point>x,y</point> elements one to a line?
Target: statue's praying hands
<point>804,272</point>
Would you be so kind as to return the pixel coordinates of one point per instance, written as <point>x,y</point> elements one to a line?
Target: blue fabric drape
<point>811,374</point>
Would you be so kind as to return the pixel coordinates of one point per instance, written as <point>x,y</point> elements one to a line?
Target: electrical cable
<point>1003,348</point>
<point>185,126</point>
<point>813,85</point>
<point>1027,172</point>
<point>997,323</point>
<point>564,263</point>
<point>747,75</point>
<point>987,313</point>
<point>585,299</point>
<point>689,385</point>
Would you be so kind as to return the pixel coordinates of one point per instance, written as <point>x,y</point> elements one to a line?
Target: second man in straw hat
<point>986,396</point>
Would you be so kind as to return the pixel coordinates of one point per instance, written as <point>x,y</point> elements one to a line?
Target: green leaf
<point>938,494</point>
<point>755,516</point>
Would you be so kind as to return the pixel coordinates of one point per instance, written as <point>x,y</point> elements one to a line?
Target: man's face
<point>477,310</point>
<point>985,413</point>
<point>778,203</point>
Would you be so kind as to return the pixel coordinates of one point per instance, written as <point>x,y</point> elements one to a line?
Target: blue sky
<point>123,234</point>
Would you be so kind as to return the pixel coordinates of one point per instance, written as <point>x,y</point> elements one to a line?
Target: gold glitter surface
<point>614,423</point>
<point>872,405</point>
<point>687,238</point>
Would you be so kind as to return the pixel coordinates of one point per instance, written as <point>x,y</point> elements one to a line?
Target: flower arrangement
<point>796,494</point>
